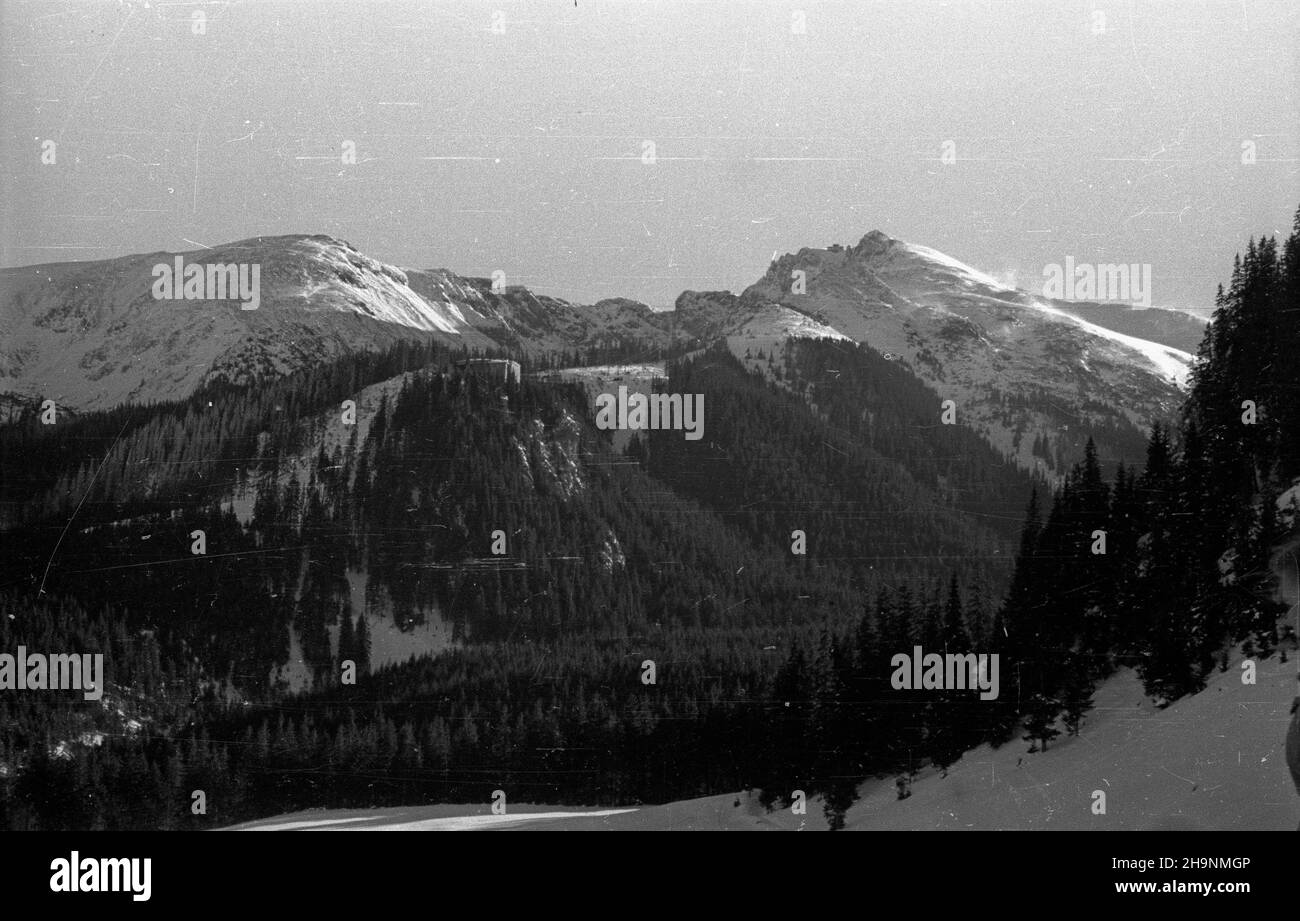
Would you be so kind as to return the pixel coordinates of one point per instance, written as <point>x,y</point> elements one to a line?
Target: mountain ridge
<point>91,335</point>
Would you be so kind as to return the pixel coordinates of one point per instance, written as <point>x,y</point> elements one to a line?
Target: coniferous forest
<point>763,576</point>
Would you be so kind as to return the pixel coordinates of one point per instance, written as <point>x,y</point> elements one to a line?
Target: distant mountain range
<point>1022,369</point>
<point>91,335</point>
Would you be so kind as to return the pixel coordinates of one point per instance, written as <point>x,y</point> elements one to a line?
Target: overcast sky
<point>510,136</point>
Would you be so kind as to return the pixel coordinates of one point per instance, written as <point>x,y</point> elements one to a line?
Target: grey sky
<point>1119,146</point>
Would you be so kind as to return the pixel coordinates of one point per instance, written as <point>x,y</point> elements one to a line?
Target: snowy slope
<point>427,818</point>
<point>1179,329</point>
<point>90,335</point>
<point>1212,761</point>
<point>1173,364</point>
<point>776,322</point>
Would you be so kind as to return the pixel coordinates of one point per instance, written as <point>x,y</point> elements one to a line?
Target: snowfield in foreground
<point>423,818</point>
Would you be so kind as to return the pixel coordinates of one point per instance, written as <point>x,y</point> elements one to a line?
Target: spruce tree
<point>1040,721</point>
<point>1077,698</point>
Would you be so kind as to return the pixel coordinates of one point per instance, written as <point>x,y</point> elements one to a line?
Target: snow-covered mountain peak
<point>983,344</point>
<point>906,266</point>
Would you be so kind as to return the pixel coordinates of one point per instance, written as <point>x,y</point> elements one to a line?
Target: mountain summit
<point>1033,375</point>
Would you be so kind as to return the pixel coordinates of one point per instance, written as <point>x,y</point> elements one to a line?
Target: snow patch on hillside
<point>391,643</point>
<point>381,291</point>
<point>1288,506</point>
<point>1171,363</point>
<point>778,322</point>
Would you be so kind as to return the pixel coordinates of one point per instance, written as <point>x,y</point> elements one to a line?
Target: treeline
<point>1116,440</point>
